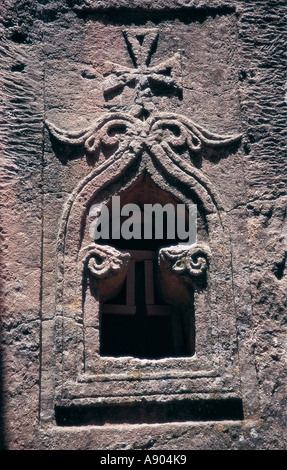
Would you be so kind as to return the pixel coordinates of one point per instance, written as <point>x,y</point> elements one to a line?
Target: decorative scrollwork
<point>183,131</point>
<point>142,128</point>
<point>174,133</point>
<point>108,131</point>
<point>125,131</point>
<point>103,261</point>
<point>192,260</point>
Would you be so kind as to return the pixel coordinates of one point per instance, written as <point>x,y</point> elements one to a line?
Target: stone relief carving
<point>192,260</point>
<point>142,126</point>
<point>145,79</point>
<point>103,262</point>
<point>163,135</point>
<point>180,270</point>
<point>123,131</point>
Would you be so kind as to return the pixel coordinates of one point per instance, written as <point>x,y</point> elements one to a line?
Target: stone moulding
<point>128,132</point>
<point>155,144</point>
<point>81,365</point>
<point>196,280</point>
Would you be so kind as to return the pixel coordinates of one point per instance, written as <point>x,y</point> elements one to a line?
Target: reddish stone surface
<point>215,71</point>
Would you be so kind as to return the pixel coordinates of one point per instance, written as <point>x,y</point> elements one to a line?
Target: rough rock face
<point>164,101</point>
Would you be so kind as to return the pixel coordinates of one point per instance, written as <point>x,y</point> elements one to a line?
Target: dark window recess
<point>140,413</point>
<point>136,323</point>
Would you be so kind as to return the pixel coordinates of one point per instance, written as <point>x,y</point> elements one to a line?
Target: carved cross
<point>129,132</point>
<point>147,81</point>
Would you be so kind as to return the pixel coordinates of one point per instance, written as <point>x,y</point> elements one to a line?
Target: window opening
<point>137,322</point>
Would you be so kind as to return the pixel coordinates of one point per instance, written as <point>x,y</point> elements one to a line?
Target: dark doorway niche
<point>152,412</point>
<point>137,321</point>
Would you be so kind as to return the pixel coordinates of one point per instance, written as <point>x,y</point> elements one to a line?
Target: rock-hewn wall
<point>51,59</point>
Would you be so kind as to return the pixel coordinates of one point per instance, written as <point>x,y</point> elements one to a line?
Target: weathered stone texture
<point>233,81</point>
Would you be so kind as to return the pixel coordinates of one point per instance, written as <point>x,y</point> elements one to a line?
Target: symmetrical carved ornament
<point>103,271</point>
<point>142,127</point>
<point>126,132</point>
<point>142,77</point>
<point>104,262</point>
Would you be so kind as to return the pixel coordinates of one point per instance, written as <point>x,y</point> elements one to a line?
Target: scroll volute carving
<point>104,269</point>
<point>181,270</point>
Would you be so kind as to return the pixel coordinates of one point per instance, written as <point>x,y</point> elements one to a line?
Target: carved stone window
<point>148,312</point>
<point>141,327</point>
<point>130,319</point>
